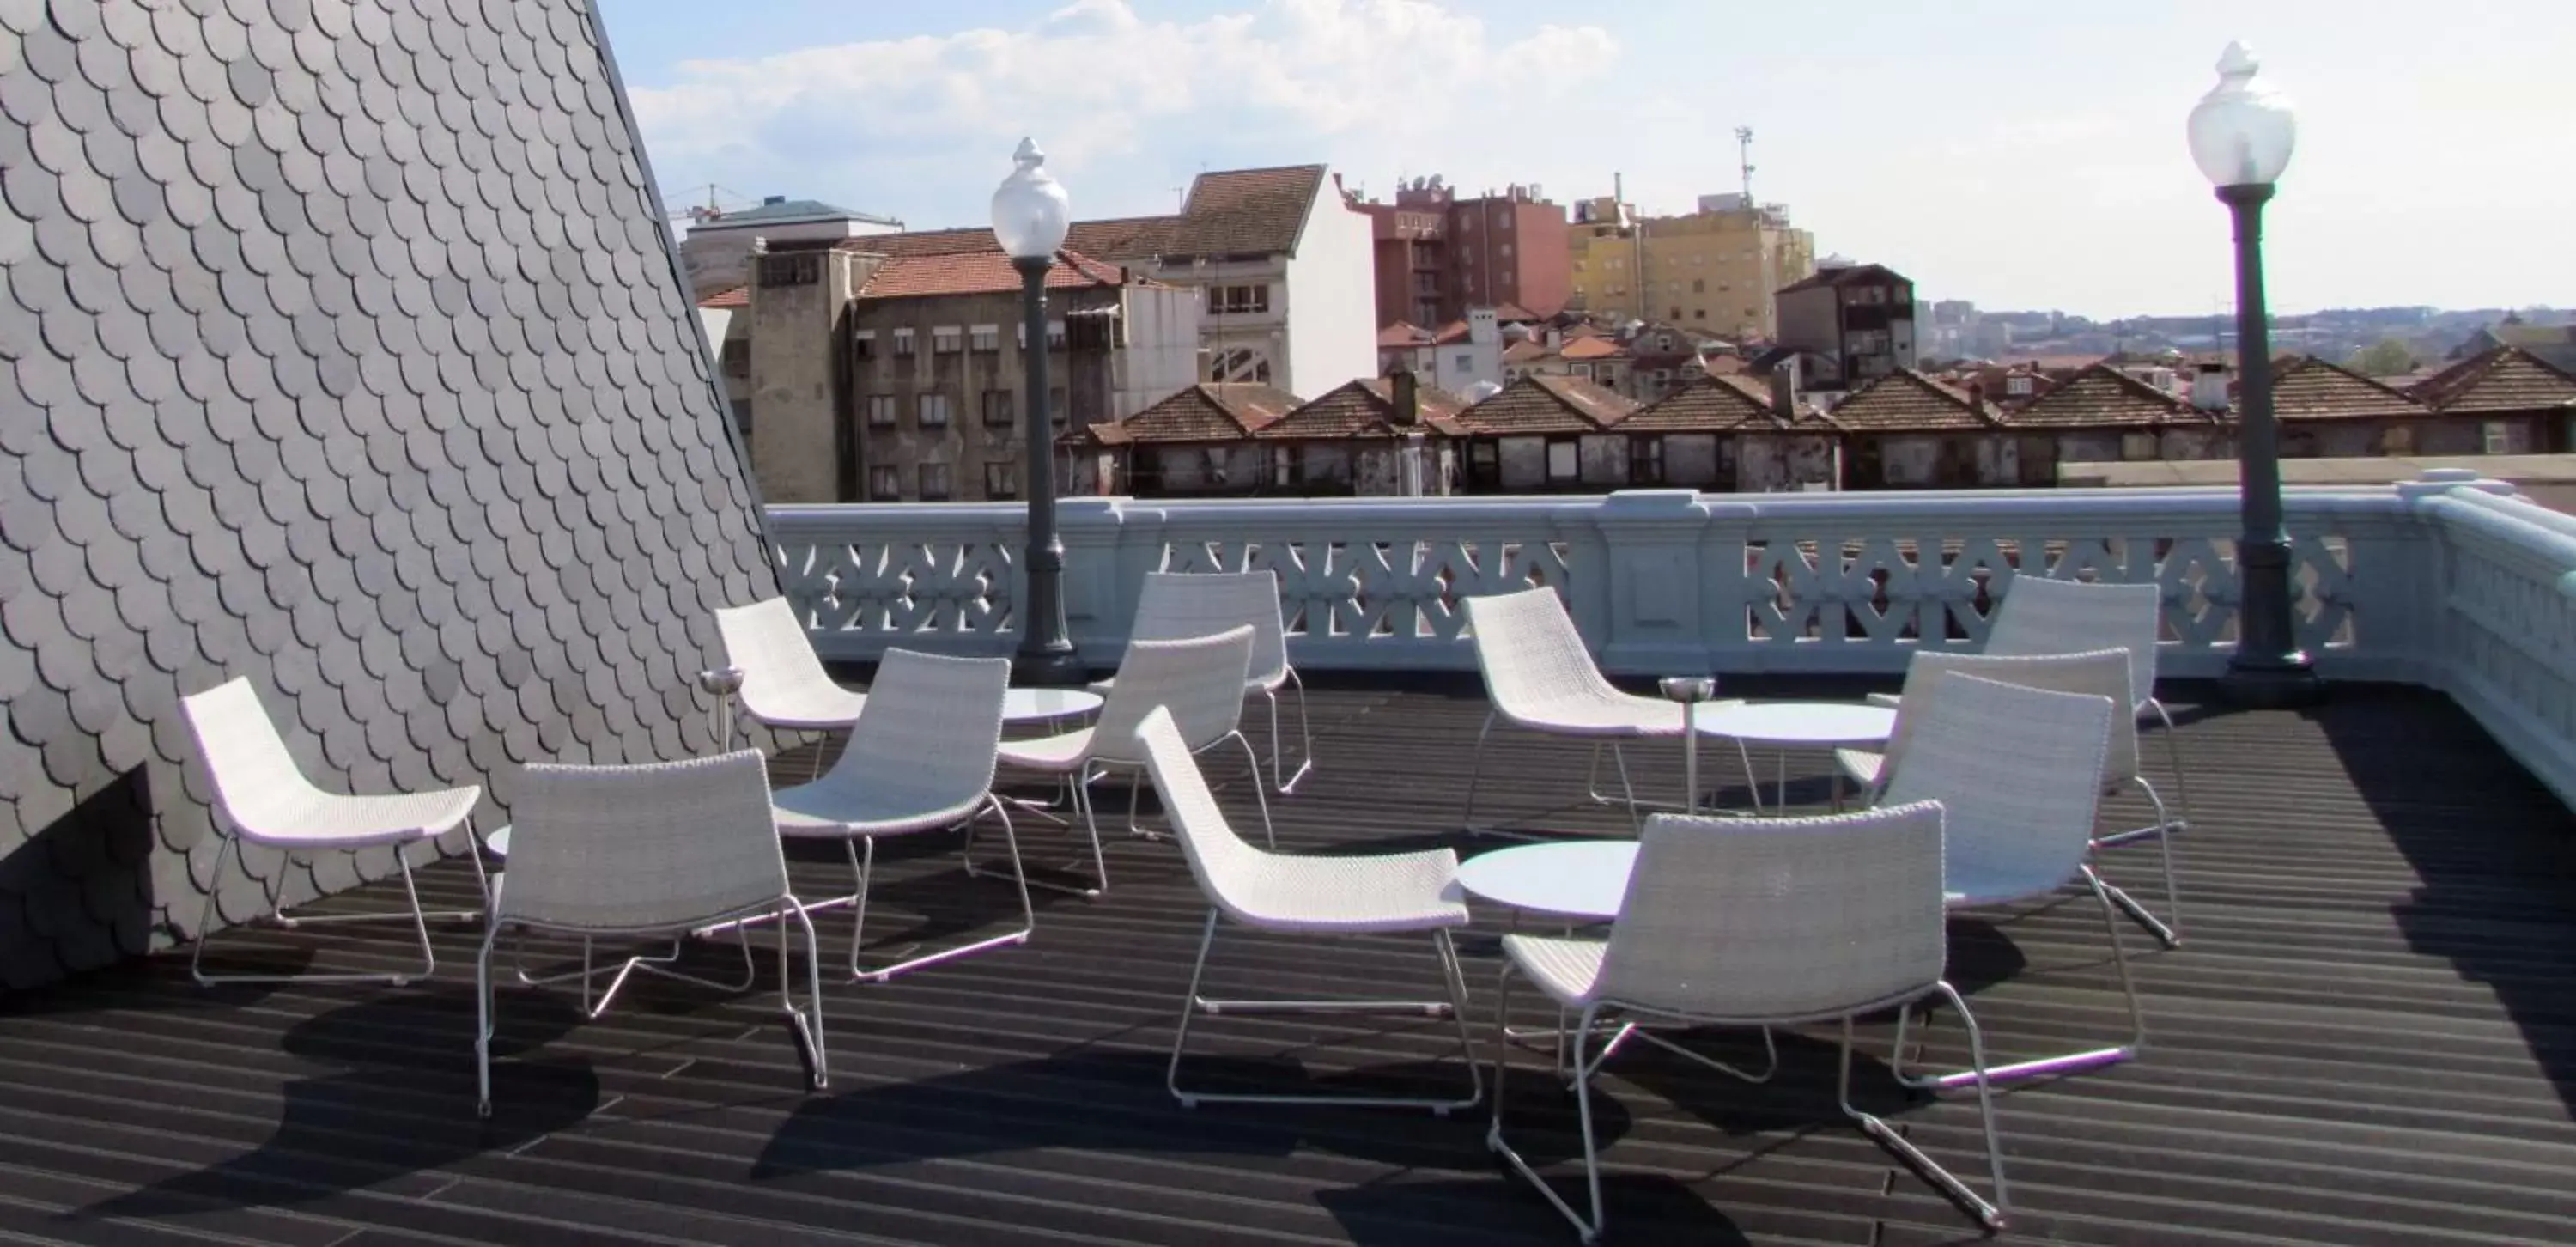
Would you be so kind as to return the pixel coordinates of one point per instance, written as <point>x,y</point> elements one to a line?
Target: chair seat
<point>1969,882</point>
<point>1351,895</point>
<point>331,821</point>
<point>812,708</point>
<point>1257,684</point>
<point>1064,751</point>
<point>825,811</point>
<point>1627,716</point>
<point>1863,765</point>
<point>1564,967</point>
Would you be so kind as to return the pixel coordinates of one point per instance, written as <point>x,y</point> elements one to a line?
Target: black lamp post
<point>1030,219</point>
<point>2241,136</point>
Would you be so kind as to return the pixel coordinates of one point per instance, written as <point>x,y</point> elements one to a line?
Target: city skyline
<point>2014,156</point>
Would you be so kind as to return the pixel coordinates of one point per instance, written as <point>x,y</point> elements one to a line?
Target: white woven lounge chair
<point>1758,922</point>
<point>262,798</point>
<point>1389,893</point>
<point>1540,677</point>
<point>644,851</point>
<point>2018,774</point>
<point>783,684</point>
<point>1199,680</point>
<point>920,760</point>
<point>1178,605</point>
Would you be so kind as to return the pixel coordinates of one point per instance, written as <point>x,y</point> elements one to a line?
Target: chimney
<point>2209,389</point>
<point>1784,390</point>
<point>1406,396</point>
<point>1977,397</point>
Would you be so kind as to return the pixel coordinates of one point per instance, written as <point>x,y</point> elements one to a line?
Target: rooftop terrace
<point>2368,1036</point>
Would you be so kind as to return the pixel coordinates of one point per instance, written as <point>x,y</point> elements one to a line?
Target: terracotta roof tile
<point>2502,379</point>
<point>1542,404</point>
<point>1365,408</point>
<point>1514,313</point>
<point>1401,334</point>
<point>739,296</point>
<point>2103,397</point>
<point>1704,405</point>
<point>1454,331</point>
<point>1245,212</point>
<point>1906,401</point>
<point>983,272</point>
<point>1589,348</point>
<point>1526,350</point>
<point>2308,388</point>
<point>1206,412</point>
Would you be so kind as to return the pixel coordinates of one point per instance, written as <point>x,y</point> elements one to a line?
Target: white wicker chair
<point>641,851</point>
<point>263,798</point>
<point>1540,677</point>
<point>2104,673</point>
<point>783,684</point>
<point>1381,894</point>
<point>2065,616</point>
<point>920,760</point>
<point>1200,680</point>
<point>1758,922</point>
<point>2018,774</point>
<point>1178,605</point>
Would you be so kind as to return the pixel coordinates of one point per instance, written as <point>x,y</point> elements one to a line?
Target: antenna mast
<point>1744,158</point>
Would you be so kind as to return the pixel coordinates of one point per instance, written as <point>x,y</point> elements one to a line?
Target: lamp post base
<point>2284,683</point>
<point>1047,668</point>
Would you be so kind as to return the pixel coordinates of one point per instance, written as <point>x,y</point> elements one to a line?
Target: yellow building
<point>1714,269</point>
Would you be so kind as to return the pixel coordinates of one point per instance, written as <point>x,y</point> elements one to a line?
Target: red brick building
<point>1439,254</point>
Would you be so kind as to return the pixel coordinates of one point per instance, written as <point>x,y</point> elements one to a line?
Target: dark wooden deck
<point>2370,1036</point>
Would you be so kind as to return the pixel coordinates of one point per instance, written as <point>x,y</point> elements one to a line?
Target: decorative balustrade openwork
<point>2449,581</point>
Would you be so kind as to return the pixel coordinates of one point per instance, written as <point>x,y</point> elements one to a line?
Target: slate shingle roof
<point>1365,408</point>
<point>2498,381</point>
<point>1210,411</point>
<point>1548,404</point>
<point>2103,397</point>
<point>342,348</point>
<point>1906,401</point>
<point>2308,388</point>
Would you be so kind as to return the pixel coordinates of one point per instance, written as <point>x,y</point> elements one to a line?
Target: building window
<point>1507,251</point>
<point>934,411</point>
<point>804,269</point>
<point>1697,258</point>
<point>1001,481</point>
<point>934,481</point>
<point>2017,387</point>
<point>881,411</point>
<point>885,484</point>
<point>1699,313</point>
<point>1867,296</point>
<point>1504,223</point>
<point>1564,461</point>
<point>1645,461</point>
<point>903,342</point>
<point>1676,314</point>
<point>1699,285</point>
<point>2505,437</point>
<point>737,357</point>
<point>2137,446</point>
<point>1584,371</point>
<point>947,340</point>
<point>1055,335</point>
<point>863,344</point>
<point>1238,300</point>
<point>988,338</point>
<point>1059,407</point>
<point>997,407</point>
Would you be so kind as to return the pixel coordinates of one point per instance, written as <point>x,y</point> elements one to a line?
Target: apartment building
<point>1713,269</point>
<point>1439,255</point>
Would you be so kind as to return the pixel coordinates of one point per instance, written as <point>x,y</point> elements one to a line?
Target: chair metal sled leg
<point>2168,928</point>
<point>1287,781</point>
<point>660,966</point>
<point>2066,1063</point>
<point>863,857</point>
<point>1990,1214</point>
<point>1455,1007</point>
<point>278,917</point>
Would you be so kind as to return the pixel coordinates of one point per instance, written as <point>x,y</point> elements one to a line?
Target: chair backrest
<point>1178,605</point>
<point>767,641</point>
<point>2101,672</point>
<point>2018,773</point>
<point>642,848</point>
<point>932,733</point>
<point>2044,616</point>
<point>1530,652</point>
<point>1219,859</point>
<point>257,784</point>
<point>1198,679</point>
<point>1780,918</point>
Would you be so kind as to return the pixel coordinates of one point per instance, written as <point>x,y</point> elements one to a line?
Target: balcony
<point>2369,1035</point>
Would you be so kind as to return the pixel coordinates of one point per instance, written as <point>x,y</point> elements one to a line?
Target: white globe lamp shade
<point>2243,130</point>
<point>1030,212</point>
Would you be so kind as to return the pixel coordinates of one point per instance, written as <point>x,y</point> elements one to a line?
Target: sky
<point>2021,155</point>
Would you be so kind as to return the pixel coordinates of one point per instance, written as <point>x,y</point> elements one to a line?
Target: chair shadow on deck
<point>2495,851</point>
<point>332,1135</point>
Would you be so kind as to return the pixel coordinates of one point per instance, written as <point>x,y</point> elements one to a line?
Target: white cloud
<point>1125,107</point>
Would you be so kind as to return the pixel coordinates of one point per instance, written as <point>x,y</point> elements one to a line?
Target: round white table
<point>1046,705</point>
<point>1799,724</point>
<point>1584,880</point>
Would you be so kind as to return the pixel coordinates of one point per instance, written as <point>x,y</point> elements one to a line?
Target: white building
<point>1457,357</point>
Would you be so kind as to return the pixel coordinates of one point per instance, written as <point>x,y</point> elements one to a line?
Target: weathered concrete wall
<point>795,454</point>
<point>1604,460</point>
<point>1690,459</point>
<point>1081,384</point>
<point>1523,461</point>
<point>1770,463</point>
